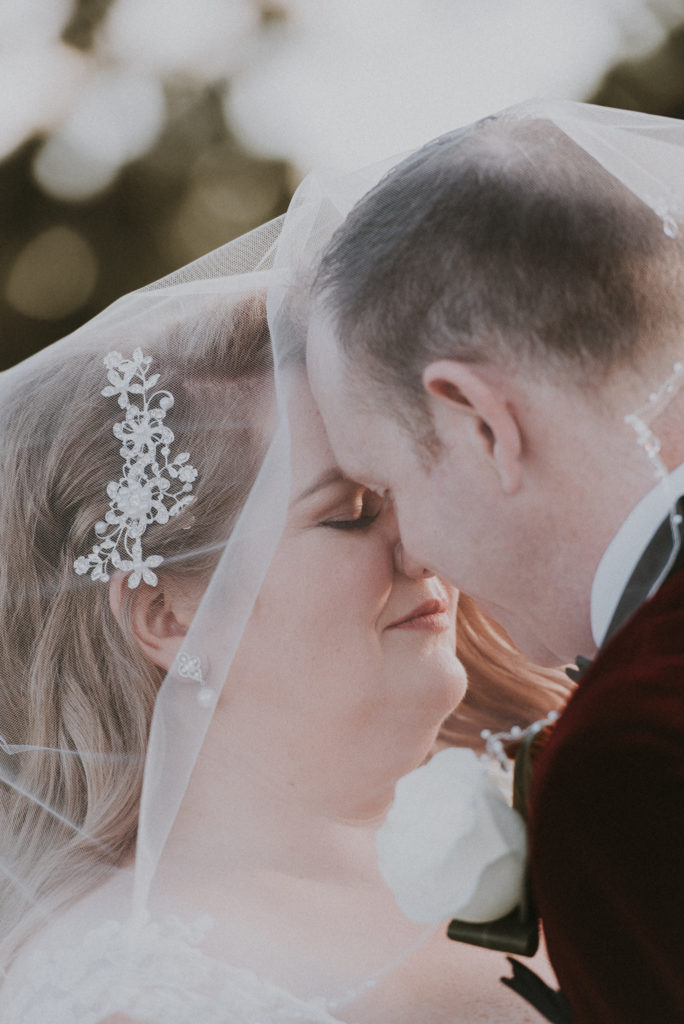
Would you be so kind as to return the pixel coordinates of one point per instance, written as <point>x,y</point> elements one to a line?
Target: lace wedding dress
<point>157,975</point>
<point>152,971</point>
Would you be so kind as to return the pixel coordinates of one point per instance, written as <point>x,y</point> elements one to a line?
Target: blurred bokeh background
<point>135,135</point>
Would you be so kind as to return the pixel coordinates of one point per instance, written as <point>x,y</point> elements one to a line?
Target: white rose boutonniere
<point>451,845</point>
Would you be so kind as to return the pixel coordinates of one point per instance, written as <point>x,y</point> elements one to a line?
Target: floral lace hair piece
<point>145,492</point>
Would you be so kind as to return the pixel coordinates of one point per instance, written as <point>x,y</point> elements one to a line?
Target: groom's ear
<point>158,616</point>
<point>465,399</point>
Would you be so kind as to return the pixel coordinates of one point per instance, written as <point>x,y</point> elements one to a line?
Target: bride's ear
<point>160,616</point>
<point>461,393</point>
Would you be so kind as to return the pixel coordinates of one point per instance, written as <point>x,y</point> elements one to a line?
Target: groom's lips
<point>430,615</point>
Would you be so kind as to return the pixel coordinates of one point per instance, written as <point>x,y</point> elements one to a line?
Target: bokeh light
<point>344,84</point>
<point>138,134</point>
<point>117,117</point>
<point>202,40</point>
<point>53,275</point>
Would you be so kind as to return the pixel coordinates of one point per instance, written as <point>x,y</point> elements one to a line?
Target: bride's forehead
<point>313,462</point>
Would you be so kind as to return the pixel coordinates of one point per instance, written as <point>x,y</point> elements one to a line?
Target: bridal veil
<point>146,466</point>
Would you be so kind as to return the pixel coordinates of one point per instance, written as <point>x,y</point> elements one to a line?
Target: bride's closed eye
<point>361,523</point>
<point>360,516</point>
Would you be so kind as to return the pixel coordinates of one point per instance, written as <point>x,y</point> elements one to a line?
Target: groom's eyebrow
<point>326,479</point>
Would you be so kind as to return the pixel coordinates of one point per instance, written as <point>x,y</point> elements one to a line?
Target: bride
<point>216,663</point>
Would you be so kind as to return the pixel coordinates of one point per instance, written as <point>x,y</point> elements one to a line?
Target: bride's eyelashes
<point>360,516</point>
<point>360,523</point>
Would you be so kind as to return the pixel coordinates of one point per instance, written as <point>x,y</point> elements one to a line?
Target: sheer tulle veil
<point>180,332</point>
<point>146,465</point>
<point>145,475</point>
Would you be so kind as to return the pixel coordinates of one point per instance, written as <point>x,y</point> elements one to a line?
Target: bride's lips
<point>432,616</point>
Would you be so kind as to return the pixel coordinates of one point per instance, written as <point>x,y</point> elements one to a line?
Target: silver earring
<point>189,666</point>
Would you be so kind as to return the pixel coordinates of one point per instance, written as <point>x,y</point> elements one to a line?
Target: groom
<point>484,320</point>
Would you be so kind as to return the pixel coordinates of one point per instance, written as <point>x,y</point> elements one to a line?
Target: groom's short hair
<point>501,240</point>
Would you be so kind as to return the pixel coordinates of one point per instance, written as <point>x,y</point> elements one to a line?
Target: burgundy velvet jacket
<point>607,826</point>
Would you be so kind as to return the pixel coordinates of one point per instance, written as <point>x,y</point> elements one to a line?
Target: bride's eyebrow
<point>326,479</point>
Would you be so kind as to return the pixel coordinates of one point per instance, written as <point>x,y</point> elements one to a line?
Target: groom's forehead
<point>352,429</point>
<point>324,360</point>
<point>346,394</point>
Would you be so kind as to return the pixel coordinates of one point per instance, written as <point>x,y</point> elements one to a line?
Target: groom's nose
<point>408,565</point>
<point>403,562</point>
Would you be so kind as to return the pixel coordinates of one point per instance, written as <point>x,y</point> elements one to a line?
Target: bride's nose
<point>407,565</point>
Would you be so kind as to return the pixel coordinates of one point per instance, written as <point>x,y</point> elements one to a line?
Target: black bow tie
<point>649,569</point>
<point>580,667</point>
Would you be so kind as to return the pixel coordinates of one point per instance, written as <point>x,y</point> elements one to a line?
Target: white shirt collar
<point>620,558</point>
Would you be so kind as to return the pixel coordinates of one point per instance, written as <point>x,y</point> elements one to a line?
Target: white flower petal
<point>451,846</point>
<point>112,360</point>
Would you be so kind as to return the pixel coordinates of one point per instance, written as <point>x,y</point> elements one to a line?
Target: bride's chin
<point>443,689</point>
<point>437,696</point>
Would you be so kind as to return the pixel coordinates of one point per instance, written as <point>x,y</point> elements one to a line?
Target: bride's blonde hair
<point>72,678</point>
